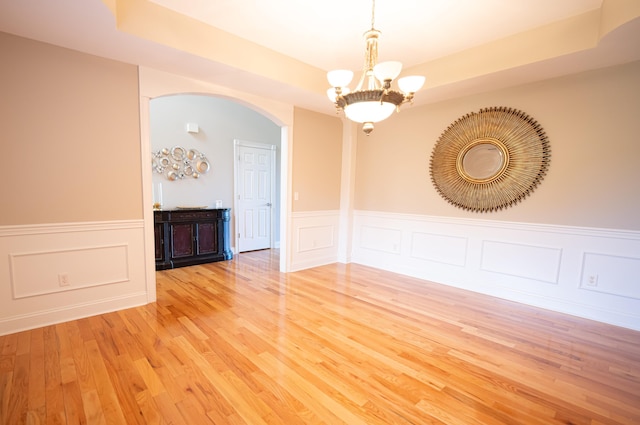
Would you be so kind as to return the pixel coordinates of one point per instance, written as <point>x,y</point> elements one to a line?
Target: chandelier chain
<point>373,14</point>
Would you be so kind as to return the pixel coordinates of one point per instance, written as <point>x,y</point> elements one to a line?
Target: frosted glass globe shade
<point>411,84</point>
<point>339,77</point>
<point>372,111</point>
<point>387,70</point>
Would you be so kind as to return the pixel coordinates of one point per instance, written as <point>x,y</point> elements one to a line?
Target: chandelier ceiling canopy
<point>373,99</point>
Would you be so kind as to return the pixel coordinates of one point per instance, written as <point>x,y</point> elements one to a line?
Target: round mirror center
<point>483,161</point>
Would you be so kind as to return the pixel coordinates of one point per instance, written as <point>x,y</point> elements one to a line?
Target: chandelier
<point>373,99</point>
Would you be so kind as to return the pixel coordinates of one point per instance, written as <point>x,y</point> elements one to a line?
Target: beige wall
<point>317,161</point>
<point>70,139</point>
<point>70,136</point>
<point>591,120</point>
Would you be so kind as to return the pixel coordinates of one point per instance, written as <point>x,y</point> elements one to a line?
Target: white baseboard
<point>53,316</point>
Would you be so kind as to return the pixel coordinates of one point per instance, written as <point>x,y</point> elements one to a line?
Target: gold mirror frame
<point>519,140</point>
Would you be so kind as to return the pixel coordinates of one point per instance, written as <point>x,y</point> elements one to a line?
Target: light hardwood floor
<point>237,342</point>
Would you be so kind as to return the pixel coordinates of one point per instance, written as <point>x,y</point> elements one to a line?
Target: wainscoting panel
<point>381,239</point>
<point>54,273</point>
<point>586,272</point>
<point>316,239</point>
<point>526,261</point>
<point>607,274</point>
<point>439,248</point>
<point>34,273</point>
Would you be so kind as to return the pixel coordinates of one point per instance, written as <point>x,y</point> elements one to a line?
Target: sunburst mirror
<point>490,160</point>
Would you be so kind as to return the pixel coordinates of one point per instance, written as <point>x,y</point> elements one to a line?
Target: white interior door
<point>254,195</point>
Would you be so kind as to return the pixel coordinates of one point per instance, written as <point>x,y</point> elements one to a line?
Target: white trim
<point>286,200</point>
<point>147,199</point>
<point>52,228</point>
<point>312,214</point>
<point>534,227</point>
<point>347,188</point>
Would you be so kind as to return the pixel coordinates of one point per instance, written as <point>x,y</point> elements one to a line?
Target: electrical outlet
<point>63,279</point>
<point>592,280</point>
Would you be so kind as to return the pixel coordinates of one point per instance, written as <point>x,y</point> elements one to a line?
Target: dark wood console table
<point>184,237</point>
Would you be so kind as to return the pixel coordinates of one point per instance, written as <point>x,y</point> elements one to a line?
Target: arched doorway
<point>154,84</point>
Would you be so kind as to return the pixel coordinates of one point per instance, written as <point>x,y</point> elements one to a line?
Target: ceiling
<point>328,33</point>
<point>441,39</point>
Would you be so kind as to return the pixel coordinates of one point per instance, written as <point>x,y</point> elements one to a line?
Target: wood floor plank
<point>55,413</point>
<point>245,403</point>
<point>93,410</point>
<point>6,380</point>
<point>37,389</point>
<point>104,389</point>
<point>148,408</point>
<point>19,392</point>
<point>73,403</point>
<point>167,410</point>
<point>238,342</point>
<point>23,345</point>
<point>194,413</point>
<point>9,344</point>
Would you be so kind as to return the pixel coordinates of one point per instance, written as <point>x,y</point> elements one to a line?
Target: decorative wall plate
<point>177,163</point>
<point>489,160</point>
<point>202,166</point>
